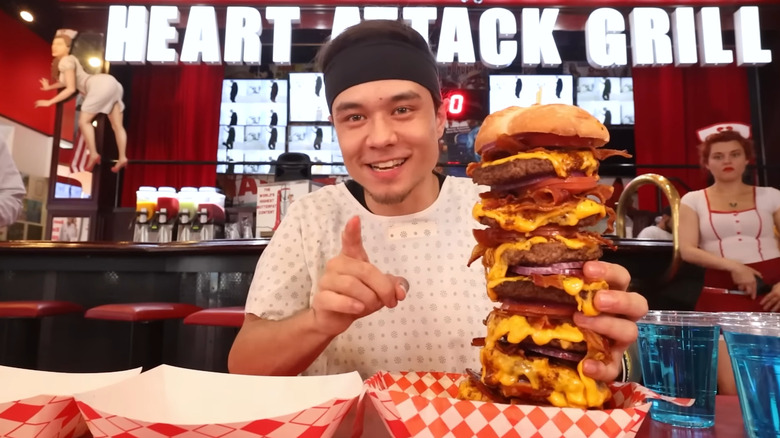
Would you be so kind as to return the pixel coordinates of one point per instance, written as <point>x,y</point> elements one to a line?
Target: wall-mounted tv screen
<point>307,98</point>
<point>609,99</point>
<point>307,138</point>
<point>253,118</point>
<point>527,90</point>
<point>244,156</point>
<point>326,157</point>
<point>252,138</point>
<point>319,142</point>
<point>271,114</point>
<point>254,91</point>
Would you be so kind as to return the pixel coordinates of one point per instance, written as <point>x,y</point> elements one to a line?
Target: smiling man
<point>371,275</point>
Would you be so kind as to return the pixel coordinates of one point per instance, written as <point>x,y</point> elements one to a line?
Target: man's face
<point>388,131</point>
<point>666,223</point>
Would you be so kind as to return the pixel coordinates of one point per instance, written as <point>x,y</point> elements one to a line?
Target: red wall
<point>26,58</point>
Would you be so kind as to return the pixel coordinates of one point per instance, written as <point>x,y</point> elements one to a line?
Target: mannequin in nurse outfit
<point>102,94</point>
<point>728,228</point>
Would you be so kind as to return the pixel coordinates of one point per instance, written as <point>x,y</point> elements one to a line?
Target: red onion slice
<point>571,268</point>
<point>571,356</point>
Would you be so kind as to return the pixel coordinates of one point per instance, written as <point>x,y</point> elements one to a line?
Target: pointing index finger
<point>351,240</point>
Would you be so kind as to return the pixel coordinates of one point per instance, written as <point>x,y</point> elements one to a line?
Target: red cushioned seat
<point>135,312</point>
<point>37,309</point>
<point>219,316</point>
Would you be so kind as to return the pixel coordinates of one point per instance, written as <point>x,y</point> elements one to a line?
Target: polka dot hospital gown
<point>432,329</point>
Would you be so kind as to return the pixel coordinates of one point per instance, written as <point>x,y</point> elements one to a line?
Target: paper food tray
<point>420,404</point>
<point>169,401</point>
<point>40,404</point>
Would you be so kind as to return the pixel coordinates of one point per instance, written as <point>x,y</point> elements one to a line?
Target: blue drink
<point>755,359</point>
<point>678,352</point>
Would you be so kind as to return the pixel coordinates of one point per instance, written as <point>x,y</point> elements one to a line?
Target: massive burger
<point>541,164</point>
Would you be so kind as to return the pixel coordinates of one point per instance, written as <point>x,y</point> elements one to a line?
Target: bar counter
<point>207,274</point>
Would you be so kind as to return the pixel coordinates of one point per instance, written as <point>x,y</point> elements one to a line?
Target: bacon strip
<point>550,195</point>
<point>544,196</point>
<point>603,154</point>
<point>555,281</point>
<point>601,191</point>
<point>611,216</point>
<point>493,237</point>
<point>477,252</point>
<point>598,346</point>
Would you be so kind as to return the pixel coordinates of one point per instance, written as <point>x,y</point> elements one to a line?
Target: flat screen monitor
<point>267,156</point>
<point>253,118</point>
<point>254,91</point>
<point>320,143</point>
<point>307,98</point>
<point>527,90</point>
<point>309,138</point>
<point>609,99</point>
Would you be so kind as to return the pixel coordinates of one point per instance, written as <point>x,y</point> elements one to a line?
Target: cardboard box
<point>424,404</point>
<point>274,199</point>
<point>169,401</point>
<point>40,404</point>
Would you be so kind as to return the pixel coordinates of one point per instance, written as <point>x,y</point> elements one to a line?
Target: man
<point>318,138</point>
<point>231,138</point>
<point>274,91</point>
<point>233,91</point>
<point>272,139</point>
<point>371,275</point>
<point>662,230</point>
<point>12,189</point>
<point>318,85</point>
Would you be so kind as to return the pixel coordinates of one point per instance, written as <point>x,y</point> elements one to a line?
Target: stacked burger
<point>541,164</point>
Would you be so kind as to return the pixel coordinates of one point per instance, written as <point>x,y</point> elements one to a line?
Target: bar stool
<point>26,316</point>
<point>147,317</point>
<point>221,327</point>
<point>217,317</point>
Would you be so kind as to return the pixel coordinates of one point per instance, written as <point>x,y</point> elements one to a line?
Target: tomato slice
<point>538,308</point>
<point>573,184</point>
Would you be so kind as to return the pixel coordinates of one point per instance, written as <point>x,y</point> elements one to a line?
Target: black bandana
<point>376,61</point>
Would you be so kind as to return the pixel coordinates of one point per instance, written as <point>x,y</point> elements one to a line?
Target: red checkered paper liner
<point>424,404</point>
<point>317,421</point>
<point>42,416</point>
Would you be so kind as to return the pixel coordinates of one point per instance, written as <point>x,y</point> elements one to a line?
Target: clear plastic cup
<point>754,347</point>
<point>678,352</point>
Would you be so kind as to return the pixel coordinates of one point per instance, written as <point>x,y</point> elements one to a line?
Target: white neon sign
<point>138,34</point>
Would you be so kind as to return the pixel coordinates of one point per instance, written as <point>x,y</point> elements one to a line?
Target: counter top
<point>240,245</point>
<point>210,246</point>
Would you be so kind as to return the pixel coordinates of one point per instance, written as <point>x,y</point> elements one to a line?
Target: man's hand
<point>619,312</point>
<point>771,301</point>
<point>42,103</point>
<point>352,287</point>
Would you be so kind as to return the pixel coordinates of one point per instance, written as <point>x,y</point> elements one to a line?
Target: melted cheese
<point>509,218</point>
<point>468,391</point>
<point>569,387</point>
<point>570,243</point>
<point>516,328</point>
<point>562,162</point>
